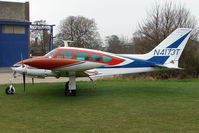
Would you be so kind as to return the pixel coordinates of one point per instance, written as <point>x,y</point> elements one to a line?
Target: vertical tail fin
<point>168,52</point>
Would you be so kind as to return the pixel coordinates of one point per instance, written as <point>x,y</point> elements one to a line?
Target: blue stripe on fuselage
<point>142,63</point>
<point>15,66</point>
<point>158,59</point>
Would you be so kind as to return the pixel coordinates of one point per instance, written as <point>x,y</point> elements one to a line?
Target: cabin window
<point>67,54</point>
<point>95,57</point>
<point>82,56</point>
<point>50,54</point>
<point>106,58</point>
<point>59,56</point>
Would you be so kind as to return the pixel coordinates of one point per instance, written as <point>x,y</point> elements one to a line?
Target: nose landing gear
<point>10,89</point>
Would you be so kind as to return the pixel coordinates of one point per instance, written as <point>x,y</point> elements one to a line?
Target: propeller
<point>24,74</point>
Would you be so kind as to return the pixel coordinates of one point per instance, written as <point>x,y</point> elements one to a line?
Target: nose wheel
<point>10,90</point>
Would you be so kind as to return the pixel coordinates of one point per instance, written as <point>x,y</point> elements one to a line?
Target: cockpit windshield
<point>50,54</point>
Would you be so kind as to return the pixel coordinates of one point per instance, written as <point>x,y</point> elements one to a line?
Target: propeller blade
<point>22,60</point>
<point>24,81</point>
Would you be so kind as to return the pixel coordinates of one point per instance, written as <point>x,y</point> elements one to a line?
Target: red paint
<point>52,63</point>
<point>114,61</point>
<point>49,63</point>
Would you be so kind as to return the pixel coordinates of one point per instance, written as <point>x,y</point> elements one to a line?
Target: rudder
<point>170,49</point>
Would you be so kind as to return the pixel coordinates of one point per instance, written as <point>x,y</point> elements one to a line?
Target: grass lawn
<point>113,106</point>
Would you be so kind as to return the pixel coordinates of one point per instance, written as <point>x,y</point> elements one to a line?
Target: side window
<point>50,54</point>
<point>106,58</point>
<point>59,56</point>
<point>95,57</point>
<point>67,54</point>
<point>82,56</point>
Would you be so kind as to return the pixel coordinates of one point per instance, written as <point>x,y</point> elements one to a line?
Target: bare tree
<point>160,22</point>
<point>81,30</point>
<point>114,44</point>
<point>119,45</point>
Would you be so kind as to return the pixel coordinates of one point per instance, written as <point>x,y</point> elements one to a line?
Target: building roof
<point>14,22</point>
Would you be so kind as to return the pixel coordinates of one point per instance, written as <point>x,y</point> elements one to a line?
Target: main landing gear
<point>71,86</point>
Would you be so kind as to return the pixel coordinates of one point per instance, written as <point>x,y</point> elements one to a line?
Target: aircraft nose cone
<point>34,62</point>
<point>13,68</point>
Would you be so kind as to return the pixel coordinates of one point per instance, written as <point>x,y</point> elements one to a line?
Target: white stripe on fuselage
<point>80,67</point>
<point>116,71</point>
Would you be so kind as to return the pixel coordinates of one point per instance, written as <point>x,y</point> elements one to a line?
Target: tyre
<point>67,92</point>
<point>67,85</point>
<point>73,92</point>
<point>9,90</point>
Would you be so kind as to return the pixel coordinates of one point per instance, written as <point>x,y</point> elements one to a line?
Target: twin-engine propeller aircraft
<point>77,62</point>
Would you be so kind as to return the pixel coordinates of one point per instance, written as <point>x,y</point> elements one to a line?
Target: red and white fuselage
<point>62,61</point>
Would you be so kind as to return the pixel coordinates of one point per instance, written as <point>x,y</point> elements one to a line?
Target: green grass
<point>113,106</point>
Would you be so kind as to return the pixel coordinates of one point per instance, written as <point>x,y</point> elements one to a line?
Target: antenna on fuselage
<point>66,42</point>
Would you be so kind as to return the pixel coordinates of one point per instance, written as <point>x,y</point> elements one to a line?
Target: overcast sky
<point>119,17</point>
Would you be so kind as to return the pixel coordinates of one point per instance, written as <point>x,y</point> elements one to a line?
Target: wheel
<point>67,84</point>
<point>70,92</point>
<point>67,92</point>
<point>10,90</point>
<point>73,92</point>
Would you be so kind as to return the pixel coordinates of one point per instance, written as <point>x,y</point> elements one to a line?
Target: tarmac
<point>6,75</point>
